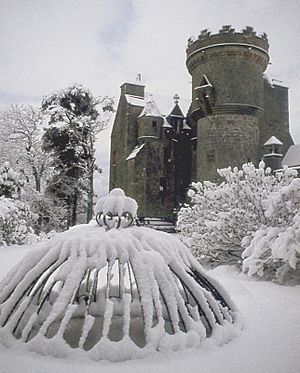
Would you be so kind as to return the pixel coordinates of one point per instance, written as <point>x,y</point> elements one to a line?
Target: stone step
<point>158,224</point>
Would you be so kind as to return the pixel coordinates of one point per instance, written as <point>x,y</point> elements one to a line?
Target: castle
<point>234,116</point>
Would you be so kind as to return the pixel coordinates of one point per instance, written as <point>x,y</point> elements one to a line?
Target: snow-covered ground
<point>269,342</point>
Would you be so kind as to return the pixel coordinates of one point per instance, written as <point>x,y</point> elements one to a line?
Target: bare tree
<point>21,127</point>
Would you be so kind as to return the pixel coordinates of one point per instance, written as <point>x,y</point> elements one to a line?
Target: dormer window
<point>205,95</point>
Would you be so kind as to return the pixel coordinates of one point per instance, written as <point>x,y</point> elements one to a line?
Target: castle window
<point>162,188</point>
<point>114,158</point>
<point>180,125</point>
<point>154,124</point>
<point>211,156</point>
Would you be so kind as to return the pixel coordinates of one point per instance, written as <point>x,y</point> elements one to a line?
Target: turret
<point>150,122</point>
<point>228,96</point>
<point>227,69</point>
<point>273,153</point>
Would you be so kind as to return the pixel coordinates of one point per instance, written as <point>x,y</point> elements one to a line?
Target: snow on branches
<point>74,119</point>
<point>20,144</point>
<point>10,182</point>
<point>250,219</point>
<point>15,215</point>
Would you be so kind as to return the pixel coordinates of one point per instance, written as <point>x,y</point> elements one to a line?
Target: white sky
<point>48,44</point>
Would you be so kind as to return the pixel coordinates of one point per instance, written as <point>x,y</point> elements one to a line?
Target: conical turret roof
<point>150,108</point>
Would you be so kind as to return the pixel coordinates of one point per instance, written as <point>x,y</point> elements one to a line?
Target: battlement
<point>228,36</point>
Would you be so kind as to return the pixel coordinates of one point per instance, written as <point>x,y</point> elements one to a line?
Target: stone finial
<point>176,98</point>
<point>139,77</point>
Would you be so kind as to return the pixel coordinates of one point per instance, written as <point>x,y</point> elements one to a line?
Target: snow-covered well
<point>111,293</point>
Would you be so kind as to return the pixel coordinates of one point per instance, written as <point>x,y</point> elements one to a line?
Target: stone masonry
<point>234,111</point>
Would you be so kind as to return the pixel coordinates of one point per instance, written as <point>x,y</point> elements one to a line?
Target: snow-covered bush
<point>223,219</point>
<point>10,182</point>
<point>274,251</point>
<point>15,214</point>
<point>14,221</point>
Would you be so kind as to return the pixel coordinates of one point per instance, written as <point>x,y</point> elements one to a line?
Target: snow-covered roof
<point>292,157</point>
<point>176,111</point>
<point>150,108</point>
<point>273,155</point>
<point>166,124</point>
<point>164,103</point>
<point>135,100</point>
<point>273,141</point>
<point>135,151</point>
<point>185,125</point>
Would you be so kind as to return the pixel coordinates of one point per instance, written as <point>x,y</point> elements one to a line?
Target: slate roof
<point>273,141</point>
<point>292,157</point>
<point>165,104</point>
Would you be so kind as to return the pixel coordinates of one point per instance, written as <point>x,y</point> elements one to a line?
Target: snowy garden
<point>85,289</point>
<point>268,342</point>
<point>250,219</point>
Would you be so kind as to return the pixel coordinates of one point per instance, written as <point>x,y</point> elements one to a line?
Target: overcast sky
<point>48,44</point>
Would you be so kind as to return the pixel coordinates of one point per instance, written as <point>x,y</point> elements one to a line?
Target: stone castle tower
<point>235,108</point>
<point>156,153</point>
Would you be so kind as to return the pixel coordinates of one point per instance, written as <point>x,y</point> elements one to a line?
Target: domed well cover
<point>112,292</point>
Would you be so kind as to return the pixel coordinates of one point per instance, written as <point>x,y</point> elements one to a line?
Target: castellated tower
<point>160,144</point>
<point>228,97</point>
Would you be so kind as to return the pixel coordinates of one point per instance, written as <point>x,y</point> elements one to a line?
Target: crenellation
<point>249,31</point>
<point>264,36</point>
<point>226,29</point>
<point>227,35</point>
<point>204,33</point>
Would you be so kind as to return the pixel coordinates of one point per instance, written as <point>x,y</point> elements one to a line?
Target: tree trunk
<point>74,209</point>
<point>37,183</point>
<point>90,204</point>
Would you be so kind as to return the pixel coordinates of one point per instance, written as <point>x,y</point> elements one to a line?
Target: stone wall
<point>123,141</point>
<point>223,140</point>
<point>275,121</point>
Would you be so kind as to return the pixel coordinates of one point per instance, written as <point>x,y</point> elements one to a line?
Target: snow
<point>166,124</point>
<point>135,100</point>
<point>269,342</point>
<point>92,298</point>
<point>292,157</point>
<point>116,203</point>
<point>223,219</point>
<point>135,152</point>
<point>150,108</point>
<point>164,103</point>
<point>87,265</point>
<point>273,141</point>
